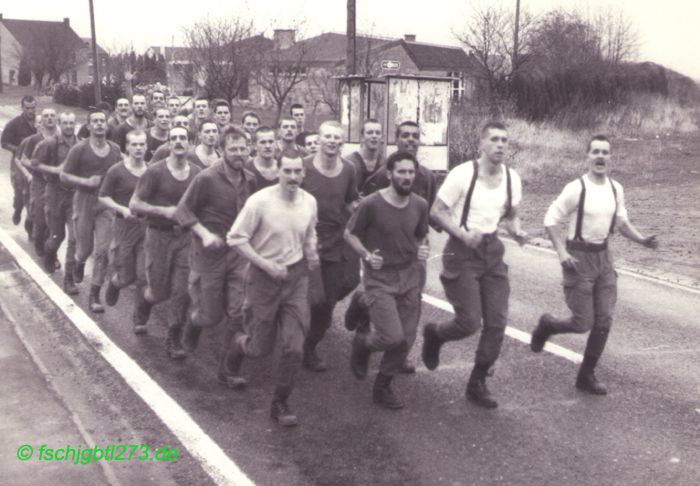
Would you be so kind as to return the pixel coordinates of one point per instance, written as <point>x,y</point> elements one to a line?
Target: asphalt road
<point>545,432</point>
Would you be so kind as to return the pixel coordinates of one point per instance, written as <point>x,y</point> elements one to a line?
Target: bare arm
<point>440,213</point>
<point>90,182</point>
<point>140,206</point>
<point>208,238</point>
<point>628,230</point>
<point>112,204</point>
<point>374,259</point>
<point>514,227</point>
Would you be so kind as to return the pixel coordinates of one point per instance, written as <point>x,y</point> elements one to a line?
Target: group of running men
<point>266,230</point>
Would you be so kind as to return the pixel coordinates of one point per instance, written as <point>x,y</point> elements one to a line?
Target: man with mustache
<point>167,243</point>
<point>49,157</point>
<point>129,230</point>
<point>276,232</point>
<point>217,273</point>
<point>331,180</point>
<point>388,231</point>
<point>121,113</point>
<point>263,165</point>
<point>286,145</point>
<point>86,164</point>
<point>137,120</point>
<point>590,280</point>
<point>474,198</point>
<point>204,154</point>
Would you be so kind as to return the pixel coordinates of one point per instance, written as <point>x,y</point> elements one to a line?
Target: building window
<point>457,85</point>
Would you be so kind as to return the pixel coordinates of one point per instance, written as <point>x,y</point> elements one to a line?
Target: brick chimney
<point>284,38</point>
<point>66,21</point>
<point>409,37</point>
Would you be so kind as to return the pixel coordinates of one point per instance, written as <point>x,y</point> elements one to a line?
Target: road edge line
<point>221,468</point>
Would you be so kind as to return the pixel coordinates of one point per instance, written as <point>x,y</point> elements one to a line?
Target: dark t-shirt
<point>82,161</point>
<point>29,151</point>
<point>52,152</point>
<point>158,187</point>
<point>361,170</point>
<point>260,181</point>
<point>395,232</point>
<point>424,184</point>
<point>333,194</point>
<point>118,135</point>
<point>17,130</point>
<point>152,144</point>
<point>119,184</point>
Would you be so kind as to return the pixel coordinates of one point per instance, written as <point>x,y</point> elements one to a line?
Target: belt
<point>167,227</point>
<point>580,245</point>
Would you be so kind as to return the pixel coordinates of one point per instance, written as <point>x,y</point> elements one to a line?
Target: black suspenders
<point>470,193</point>
<point>581,202</point>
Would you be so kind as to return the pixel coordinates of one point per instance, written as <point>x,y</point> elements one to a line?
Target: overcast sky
<point>668,29</point>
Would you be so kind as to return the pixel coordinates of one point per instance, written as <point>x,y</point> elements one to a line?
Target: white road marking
<point>623,271</point>
<point>517,334</point>
<point>202,447</point>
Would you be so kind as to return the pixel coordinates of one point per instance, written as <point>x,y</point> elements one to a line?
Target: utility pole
<point>515,35</point>
<point>96,80</point>
<point>350,58</point>
<point>1,82</point>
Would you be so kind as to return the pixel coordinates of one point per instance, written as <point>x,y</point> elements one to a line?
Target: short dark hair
<point>598,138</point>
<point>250,113</point>
<point>286,118</point>
<point>407,123</point>
<point>399,156</point>
<point>104,106</point>
<point>220,102</point>
<point>204,122</point>
<point>262,129</point>
<point>309,134</point>
<point>94,111</point>
<point>294,157</point>
<point>135,133</point>
<point>492,125</point>
<point>233,133</point>
<point>27,99</point>
<point>295,106</point>
<point>201,98</point>
<point>370,120</point>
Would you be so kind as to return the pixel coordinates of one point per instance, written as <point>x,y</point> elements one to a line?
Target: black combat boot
<point>94,302</point>
<point>229,373</point>
<point>111,293</point>
<point>280,411</point>
<point>142,311</point>
<point>78,272</point>
<point>172,343</point>
<point>477,392</point>
<point>383,395</point>
<point>312,361</point>
<point>359,356</point>
<point>431,346</point>
<point>68,286</point>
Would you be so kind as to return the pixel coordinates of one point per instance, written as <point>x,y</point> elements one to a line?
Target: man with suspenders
<point>590,281</point>
<point>472,201</point>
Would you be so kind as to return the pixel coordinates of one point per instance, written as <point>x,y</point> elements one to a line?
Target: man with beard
<point>16,130</point>
<point>58,207</point>
<point>157,135</point>
<point>37,187</point>
<point>286,145</point>
<point>137,120</point>
<point>472,201</point>
<point>368,160</point>
<point>263,165</point>
<point>424,185</point>
<point>167,244</point>
<point>86,164</point>
<point>590,280</point>
<point>331,180</point>
<point>129,230</point>
<point>389,231</point>
<point>275,231</point>
<point>217,272</point>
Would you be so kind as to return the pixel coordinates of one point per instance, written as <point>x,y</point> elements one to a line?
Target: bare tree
<point>49,58</point>
<point>619,38</point>
<point>280,70</point>
<point>222,53</point>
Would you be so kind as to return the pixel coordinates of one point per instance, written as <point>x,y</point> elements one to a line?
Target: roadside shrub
<point>110,94</point>
<point>65,94</point>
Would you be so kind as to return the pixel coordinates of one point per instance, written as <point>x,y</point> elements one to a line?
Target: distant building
<point>56,42</point>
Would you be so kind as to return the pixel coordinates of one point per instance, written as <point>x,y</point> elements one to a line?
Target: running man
<point>276,232</point>
<point>137,120</point>
<point>158,133</point>
<point>217,273</point>
<point>129,230</point>
<point>369,159</point>
<point>590,280</point>
<point>389,231</point>
<point>286,143</point>
<point>474,198</point>
<point>167,244</point>
<point>86,164</point>
<point>263,165</point>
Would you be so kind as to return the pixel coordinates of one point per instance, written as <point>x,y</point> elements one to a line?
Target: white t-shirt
<point>598,209</point>
<point>278,230</point>
<point>487,205</point>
